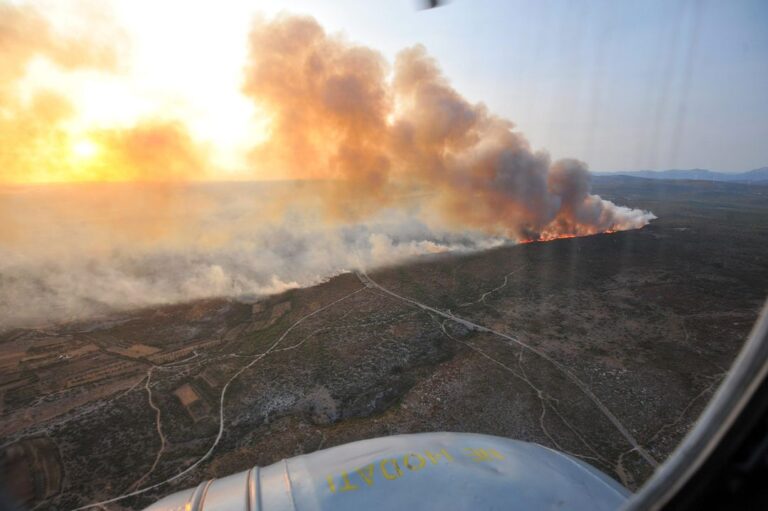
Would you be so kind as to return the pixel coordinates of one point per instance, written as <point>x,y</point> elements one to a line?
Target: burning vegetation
<point>340,112</point>
<point>400,165</point>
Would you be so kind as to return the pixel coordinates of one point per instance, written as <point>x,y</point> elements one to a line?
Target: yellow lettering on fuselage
<point>368,478</point>
<point>434,457</point>
<point>479,455</point>
<point>387,475</point>
<point>391,470</point>
<point>347,485</point>
<point>411,467</point>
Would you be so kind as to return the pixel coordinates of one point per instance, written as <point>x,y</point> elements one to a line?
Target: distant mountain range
<point>752,176</point>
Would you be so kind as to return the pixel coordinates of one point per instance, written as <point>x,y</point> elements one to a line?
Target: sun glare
<point>84,149</point>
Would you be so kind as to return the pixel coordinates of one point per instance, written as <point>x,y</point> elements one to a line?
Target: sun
<point>84,149</point>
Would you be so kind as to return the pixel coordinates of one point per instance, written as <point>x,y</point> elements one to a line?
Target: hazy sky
<point>620,85</point>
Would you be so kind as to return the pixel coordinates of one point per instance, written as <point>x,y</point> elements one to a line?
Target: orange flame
<point>552,236</point>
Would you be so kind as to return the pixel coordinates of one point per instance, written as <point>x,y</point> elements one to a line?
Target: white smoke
<point>77,252</point>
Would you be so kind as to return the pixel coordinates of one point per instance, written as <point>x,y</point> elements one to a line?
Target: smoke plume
<point>36,147</point>
<point>386,161</point>
<point>336,113</point>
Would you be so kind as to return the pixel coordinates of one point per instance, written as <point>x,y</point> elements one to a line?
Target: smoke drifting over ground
<point>404,166</point>
<point>79,251</point>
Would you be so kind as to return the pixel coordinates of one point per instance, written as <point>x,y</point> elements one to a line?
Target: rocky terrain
<point>606,347</point>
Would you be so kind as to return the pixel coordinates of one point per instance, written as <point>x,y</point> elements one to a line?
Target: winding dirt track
<point>158,427</point>
<point>369,283</point>
<point>365,279</point>
<point>222,396</point>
